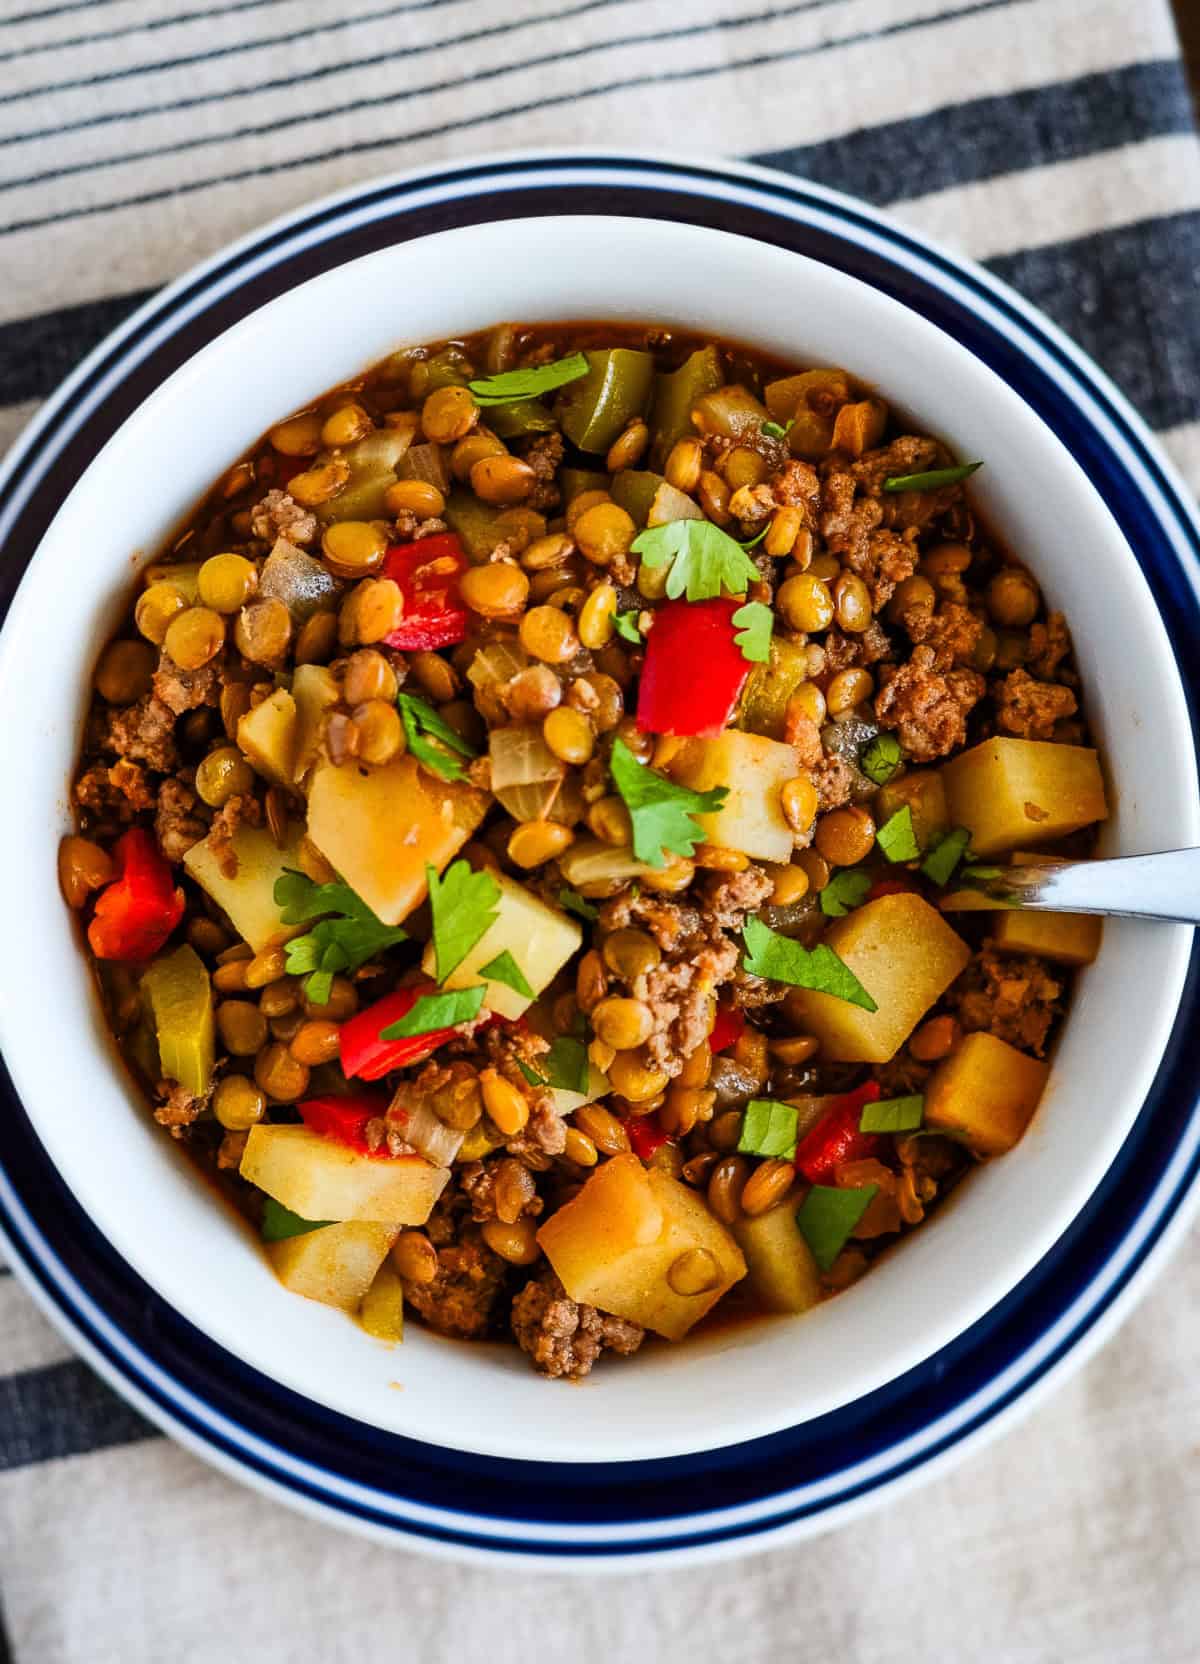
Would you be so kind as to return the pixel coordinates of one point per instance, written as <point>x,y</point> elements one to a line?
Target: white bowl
<point>140,1190</point>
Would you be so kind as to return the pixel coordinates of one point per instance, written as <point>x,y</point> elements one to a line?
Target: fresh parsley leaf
<point>938,866</point>
<point>754,637</point>
<point>779,959</point>
<point>828,1216</point>
<point>464,905</point>
<point>531,383</point>
<point>893,1114</point>
<point>566,1064</point>
<point>279,1222</point>
<point>420,718</point>
<point>896,837</point>
<point>933,479</point>
<point>660,812</point>
<point>504,968</point>
<point>625,624</point>
<point>769,1128</point>
<point>846,889</point>
<point>704,559</point>
<point>880,758</point>
<point>772,430</point>
<point>434,1011</point>
<point>531,1075</point>
<point>572,902</point>
<point>334,945</point>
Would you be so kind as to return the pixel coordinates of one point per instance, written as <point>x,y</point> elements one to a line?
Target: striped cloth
<point>1052,139</point>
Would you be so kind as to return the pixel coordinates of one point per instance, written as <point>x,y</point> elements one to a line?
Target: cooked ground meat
<point>952,632</point>
<point>143,733</point>
<point>501,1188</point>
<point>463,1299</point>
<point>1014,998</point>
<point>910,453</point>
<point>728,896</point>
<point>186,690</point>
<point>928,709</point>
<point>239,811</point>
<point>797,486</point>
<point>1031,709</point>
<point>1049,645</point>
<point>868,647</point>
<point>834,781</point>
<point>176,825</point>
<point>179,1108</point>
<point>120,791</point>
<point>545,456</point>
<point>279,515</point>
<point>802,733</point>
<point>544,1135</point>
<point>562,1337</point>
<point>847,520</point>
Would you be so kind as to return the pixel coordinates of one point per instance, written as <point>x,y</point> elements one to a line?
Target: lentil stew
<point>527,833</point>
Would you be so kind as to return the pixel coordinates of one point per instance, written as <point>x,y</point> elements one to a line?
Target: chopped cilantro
<point>531,383</point>
<point>779,959</point>
<point>464,906</point>
<point>931,480</point>
<point>335,944</point>
<point>846,889</point>
<point>893,1114</point>
<point>753,542</point>
<point>773,430</point>
<point>769,1128</point>
<point>704,559</point>
<point>938,866</point>
<point>434,1011</point>
<point>828,1216</point>
<point>625,624</point>
<point>278,1222</point>
<point>504,968</point>
<point>660,812</point>
<point>572,902</point>
<point>531,1075</point>
<point>419,719</point>
<point>566,1064</point>
<point>754,637</point>
<point>896,837</point>
<point>880,758</point>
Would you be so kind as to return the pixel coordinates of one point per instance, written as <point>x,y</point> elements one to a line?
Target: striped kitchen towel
<point>1052,139</point>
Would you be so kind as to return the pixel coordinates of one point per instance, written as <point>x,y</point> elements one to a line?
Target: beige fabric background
<point>1077,1535</point>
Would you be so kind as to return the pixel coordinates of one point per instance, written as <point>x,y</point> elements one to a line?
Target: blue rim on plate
<point>807,1477</point>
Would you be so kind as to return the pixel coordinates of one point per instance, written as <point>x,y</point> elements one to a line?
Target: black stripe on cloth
<point>6,1652</point>
<point>1128,297</point>
<point>62,1410</point>
<point>53,11</point>
<point>333,26</point>
<point>37,353</point>
<point>361,147</point>
<point>984,137</point>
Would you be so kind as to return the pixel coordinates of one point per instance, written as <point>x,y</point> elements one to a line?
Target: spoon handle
<point>1164,886</point>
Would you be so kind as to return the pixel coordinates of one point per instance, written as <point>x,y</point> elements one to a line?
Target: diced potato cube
<point>905,955</point>
<point>566,1101</point>
<point>1064,938</point>
<point>971,901</point>
<point>1010,792</point>
<point>753,769</point>
<point>540,938</point>
<point>620,1242</point>
<point>249,898</point>
<point>335,1265</point>
<point>267,737</point>
<point>181,575</point>
<point>985,1092</point>
<point>382,1311</point>
<point>780,1266</point>
<point>315,691</point>
<point>380,827</point>
<point>321,1179</point>
<point>925,795</point>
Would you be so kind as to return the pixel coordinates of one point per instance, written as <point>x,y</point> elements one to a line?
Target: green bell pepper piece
<point>575,481</point>
<point>771,685</point>
<point>515,421</point>
<point>650,501</point>
<point>475,523</point>
<point>674,396</point>
<point>616,389</point>
<point>178,988</point>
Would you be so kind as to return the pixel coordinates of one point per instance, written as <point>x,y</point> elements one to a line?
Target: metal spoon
<point>1165,886</point>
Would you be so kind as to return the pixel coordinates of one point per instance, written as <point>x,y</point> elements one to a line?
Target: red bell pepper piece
<point>368,1057</point>
<point>727,1030</point>
<point>645,1135</point>
<point>888,887</point>
<point>428,574</point>
<point>836,1136</point>
<point>694,671</point>
<point>139,909</point>
<point>344,1119</point>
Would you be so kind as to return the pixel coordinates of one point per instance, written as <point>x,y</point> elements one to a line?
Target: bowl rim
<point>421,173</point>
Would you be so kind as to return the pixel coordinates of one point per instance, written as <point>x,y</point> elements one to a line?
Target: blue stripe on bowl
<point>801,1477</point>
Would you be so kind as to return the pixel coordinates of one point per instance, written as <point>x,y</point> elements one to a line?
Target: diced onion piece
<point>526,775</point>
<point>496,664</point>
<point>732,412</point>
<point>420,1127</point>
<point>594,868</point>
<point>300,582</point>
